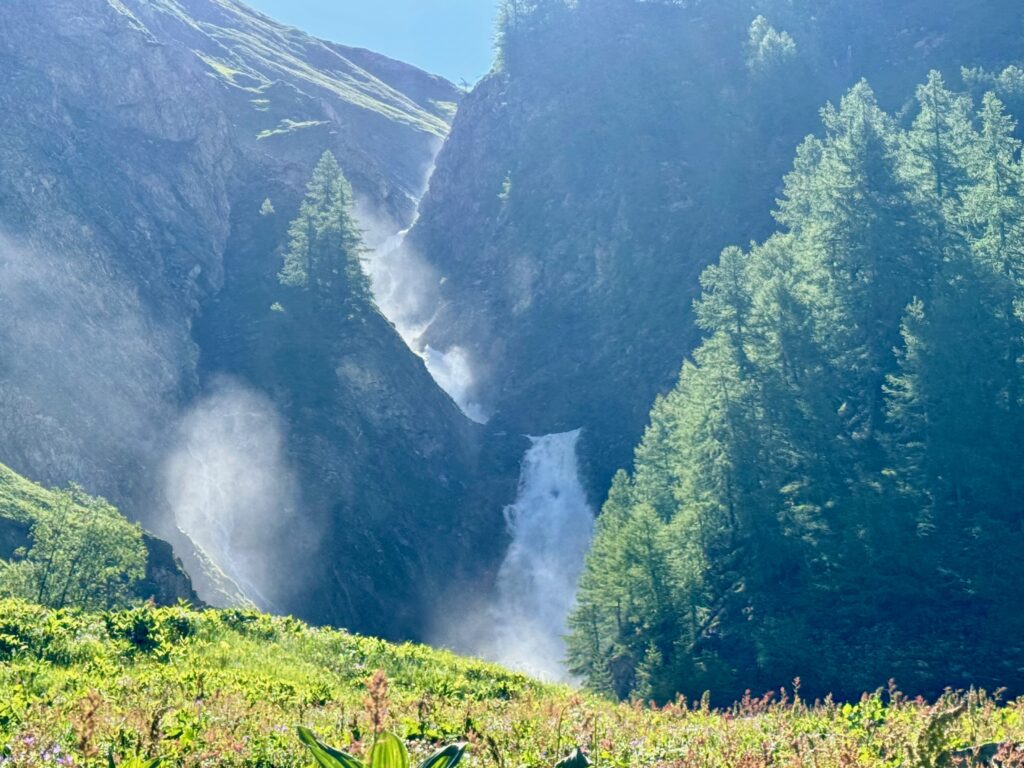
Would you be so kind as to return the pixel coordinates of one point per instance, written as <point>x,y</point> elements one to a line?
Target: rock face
<point>165,581</point>
<point>138,142</point>
<point>586,185</point>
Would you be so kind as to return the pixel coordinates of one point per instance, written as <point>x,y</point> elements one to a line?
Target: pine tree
<point>768,49</point>
<point>838,466</point>
<point>325,250</point>
<point>626,595</point>
<point>936,148</point>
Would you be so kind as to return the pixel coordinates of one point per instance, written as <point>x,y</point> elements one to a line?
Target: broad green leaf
<point>576,760</point>
<point>326,756</point>
<point>448,757</point>
<point>389,752</point>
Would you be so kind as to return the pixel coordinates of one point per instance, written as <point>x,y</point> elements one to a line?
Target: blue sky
<point>446,37</point>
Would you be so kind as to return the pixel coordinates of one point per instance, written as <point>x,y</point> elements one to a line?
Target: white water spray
<point>230,487</point>
<point>453,372</point>
<point>407,290</point>
<point>551,526</point>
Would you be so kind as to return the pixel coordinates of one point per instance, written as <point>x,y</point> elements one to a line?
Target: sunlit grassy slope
<point>228,687</point>
<point>260,57</point>
<point>20,499</point>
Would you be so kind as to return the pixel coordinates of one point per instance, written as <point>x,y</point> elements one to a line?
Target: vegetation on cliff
<point>325,247</point>
<point>63,547</point>
<point>838,467</point>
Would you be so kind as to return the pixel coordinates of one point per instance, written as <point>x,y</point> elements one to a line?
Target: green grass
<point>287,126</point>
<point>21,499</point>
<point>118,6</point>
<point>227,688</point>
<point>226,71</point>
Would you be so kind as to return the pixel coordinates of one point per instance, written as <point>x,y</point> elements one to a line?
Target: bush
<point>83,553</point>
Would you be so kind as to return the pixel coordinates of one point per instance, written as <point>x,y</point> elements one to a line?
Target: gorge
<point>437,455</point>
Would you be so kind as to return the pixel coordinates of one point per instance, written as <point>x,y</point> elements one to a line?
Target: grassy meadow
<point>228,688</point>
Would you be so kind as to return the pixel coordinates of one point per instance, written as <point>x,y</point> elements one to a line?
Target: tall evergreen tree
<point>325,249</point>
<point>838,468</point>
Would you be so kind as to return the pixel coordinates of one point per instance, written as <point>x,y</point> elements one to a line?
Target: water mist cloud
<point>230,487</point>
<point>453,372</point>
<point>87,373</point>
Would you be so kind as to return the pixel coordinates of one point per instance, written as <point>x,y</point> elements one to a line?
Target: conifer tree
<point>325,250</point>
<point>838,468</point>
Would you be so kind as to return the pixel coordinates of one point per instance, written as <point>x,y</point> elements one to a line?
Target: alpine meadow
<point>656,401</point>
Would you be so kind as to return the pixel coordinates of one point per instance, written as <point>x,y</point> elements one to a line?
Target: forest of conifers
<point>832,491</point>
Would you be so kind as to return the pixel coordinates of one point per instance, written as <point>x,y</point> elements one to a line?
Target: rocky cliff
<point>613,154</point>
<point>139,140</point>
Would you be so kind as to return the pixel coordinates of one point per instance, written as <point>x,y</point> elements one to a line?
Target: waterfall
<point>406,290</point>
<point>522,624</point>
<point>551,526</point>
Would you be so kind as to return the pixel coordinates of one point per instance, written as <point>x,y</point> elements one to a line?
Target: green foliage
<point>768,49</point>
<point>20,499</point>
<point>388,751</point>
<point>449,757</point>
<point>326,756</point>
<point>219,687</point>
<point>838,467</point>
<point>83,553</point>
<point>325,250</point>
<point>187,685</point>
<point>287,126</point>
<point>134,762</point>
<point>518,22</point>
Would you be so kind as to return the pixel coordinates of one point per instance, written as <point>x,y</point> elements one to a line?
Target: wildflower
<point>376,702</point>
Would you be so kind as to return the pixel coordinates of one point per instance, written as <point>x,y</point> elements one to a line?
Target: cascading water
<point>405,288</point>
<point>523,624</point>
<point>551,526</point>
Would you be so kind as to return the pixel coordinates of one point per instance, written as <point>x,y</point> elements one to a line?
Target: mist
<point>87,374</point>
<point>230,487</point>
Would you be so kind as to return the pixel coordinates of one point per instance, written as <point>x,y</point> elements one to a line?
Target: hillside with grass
<point>65,519</point>
<point>228,688</point>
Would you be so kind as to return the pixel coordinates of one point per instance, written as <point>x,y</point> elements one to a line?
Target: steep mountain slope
<point>618,149</point>
<point>139,140</point>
